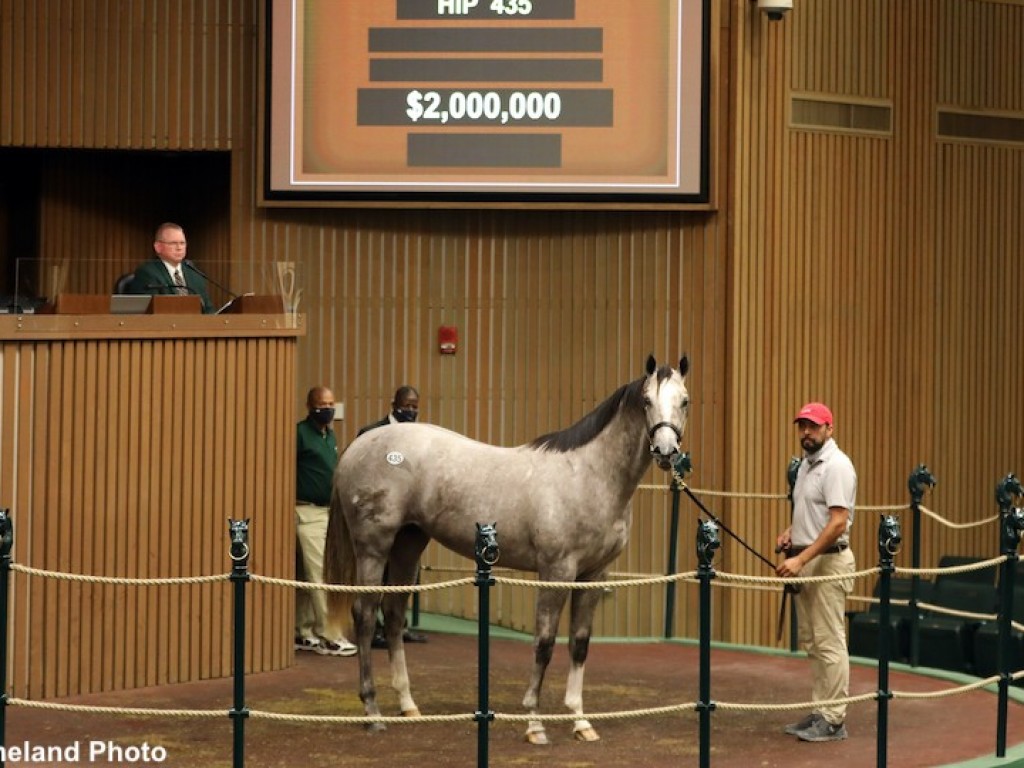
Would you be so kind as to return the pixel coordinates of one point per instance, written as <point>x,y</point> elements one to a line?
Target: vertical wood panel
<point>102,477</point>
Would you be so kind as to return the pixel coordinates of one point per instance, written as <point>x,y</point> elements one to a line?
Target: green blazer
<point>151,277</point>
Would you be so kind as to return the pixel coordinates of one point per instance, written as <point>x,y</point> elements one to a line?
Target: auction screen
<point>513,100</point>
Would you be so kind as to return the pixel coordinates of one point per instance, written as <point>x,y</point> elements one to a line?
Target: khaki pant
<point>311,615</point>
<point>821,619</point>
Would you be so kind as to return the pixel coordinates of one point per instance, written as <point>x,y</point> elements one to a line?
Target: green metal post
<point>707,542</point>
<point>681,467</point>
<point>486,553</point>
<point>1010,529</point>
<point>919,479</point>
<point>6,544</point>
<point>889,540</point>
<point>239,553</point>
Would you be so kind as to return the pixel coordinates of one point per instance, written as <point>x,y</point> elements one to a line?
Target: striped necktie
<point>179,281</point>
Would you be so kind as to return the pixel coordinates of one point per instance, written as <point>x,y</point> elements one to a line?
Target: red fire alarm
<point>448,339</point>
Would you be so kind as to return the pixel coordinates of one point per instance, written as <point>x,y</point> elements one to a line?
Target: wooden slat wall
<point>126,458</point>
<point>123,74</point>
<point>876,272</point>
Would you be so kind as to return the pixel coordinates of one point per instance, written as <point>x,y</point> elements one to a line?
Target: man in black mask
<point>405,408</point>
<point>316,457</point>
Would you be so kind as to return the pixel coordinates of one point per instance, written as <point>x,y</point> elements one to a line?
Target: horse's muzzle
<point>664,461</point>
<point>664,451</point>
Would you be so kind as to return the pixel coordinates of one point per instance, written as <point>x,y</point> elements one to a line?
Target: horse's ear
<point>684,365</point>
<point>652,365</point>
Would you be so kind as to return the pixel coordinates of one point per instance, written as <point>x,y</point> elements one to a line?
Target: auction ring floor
<point>953,730</point>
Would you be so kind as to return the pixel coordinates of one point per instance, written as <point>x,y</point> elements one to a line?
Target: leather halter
<point>659,425</point>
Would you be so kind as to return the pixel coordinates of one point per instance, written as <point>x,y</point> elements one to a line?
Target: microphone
<point>209,279</point>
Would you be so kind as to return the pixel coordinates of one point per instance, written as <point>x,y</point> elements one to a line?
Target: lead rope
<point>787,590</point>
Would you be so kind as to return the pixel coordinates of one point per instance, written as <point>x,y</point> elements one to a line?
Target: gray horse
<point>561,505</point>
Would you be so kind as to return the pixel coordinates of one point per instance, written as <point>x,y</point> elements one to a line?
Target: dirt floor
<point>620,676</point>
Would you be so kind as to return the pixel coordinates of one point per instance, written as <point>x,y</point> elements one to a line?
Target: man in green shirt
<point>316,457</point>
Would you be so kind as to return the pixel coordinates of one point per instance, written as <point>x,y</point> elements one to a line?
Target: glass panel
<point>39,282</point>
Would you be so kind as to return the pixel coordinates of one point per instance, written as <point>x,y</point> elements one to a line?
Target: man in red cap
<point>817,543</point>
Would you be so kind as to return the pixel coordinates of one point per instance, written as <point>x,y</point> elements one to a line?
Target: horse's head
<point>708,541</point>
<point>666,405</point>
<point>919,479</point>
<point>890,536</point>
<point>1008,488</point>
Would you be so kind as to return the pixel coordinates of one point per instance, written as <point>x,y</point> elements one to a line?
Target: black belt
<point>833,550</point>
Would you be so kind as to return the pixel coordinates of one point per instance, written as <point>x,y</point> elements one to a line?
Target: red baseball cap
<point>819,413</point>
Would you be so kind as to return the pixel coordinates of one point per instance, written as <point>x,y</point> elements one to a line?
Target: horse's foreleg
<point>584,603</point>
<point>549,608</point>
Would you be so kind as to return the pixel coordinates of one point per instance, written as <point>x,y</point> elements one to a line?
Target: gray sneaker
<point>823,730</point>
<point>802,725</point>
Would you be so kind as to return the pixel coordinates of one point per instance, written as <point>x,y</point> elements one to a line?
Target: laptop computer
<point>129,304</point>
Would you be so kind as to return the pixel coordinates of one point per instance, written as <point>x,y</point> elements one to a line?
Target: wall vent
<point>980,127</point>
<point>832,114</point>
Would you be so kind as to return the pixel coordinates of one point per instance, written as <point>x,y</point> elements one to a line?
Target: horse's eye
<point>686,402</point>
<point>647,402</point>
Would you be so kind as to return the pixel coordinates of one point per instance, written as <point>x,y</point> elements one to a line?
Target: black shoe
<point>379,641</point>
<point>413,637</point>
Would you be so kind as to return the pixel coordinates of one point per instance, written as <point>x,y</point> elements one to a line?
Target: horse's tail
<point>339,566</point>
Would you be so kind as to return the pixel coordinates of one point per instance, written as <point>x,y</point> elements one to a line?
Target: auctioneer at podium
<point>168,273</point>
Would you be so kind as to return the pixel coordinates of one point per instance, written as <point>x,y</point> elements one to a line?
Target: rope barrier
<point>960,614</point>
<point>595,584</point>
<point>948,691</point>
<point>797,705</point>
<point>358,588</point>
<point>783,497</point>
<point>161,582</point>
<point>723,579</point>
<point>632,581</point>
<point>621,578</point>
<point>717,494</point>
<point>750,579</point>
<point>958,526</point>
<point>129,711</point>
<point>508,717</point>
<point>966,568</point>
<point>362,719</point>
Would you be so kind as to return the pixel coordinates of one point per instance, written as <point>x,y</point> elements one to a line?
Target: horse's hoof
<point>537,738</point>
<point>414,712</point>
<point>586,734</point>
<point>375,727</point>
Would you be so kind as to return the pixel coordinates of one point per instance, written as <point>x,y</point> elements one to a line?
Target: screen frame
<point>417,198</point>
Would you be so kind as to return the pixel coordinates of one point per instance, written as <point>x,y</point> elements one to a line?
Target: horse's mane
<point>590,426</point>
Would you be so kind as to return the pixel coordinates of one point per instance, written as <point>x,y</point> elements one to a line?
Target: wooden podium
<point>175,305</point>
<point>249,304</point>
<point>129,442</point>
<point>77,304</point>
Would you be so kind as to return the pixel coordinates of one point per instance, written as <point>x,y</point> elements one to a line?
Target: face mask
<point>322,416</point>
<point>402,415</point>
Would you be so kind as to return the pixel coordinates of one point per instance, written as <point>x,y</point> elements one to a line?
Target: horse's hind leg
<point>584,603</point>
<point>549,608</point>
<point>364,614</point>
<point>402,567</point>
